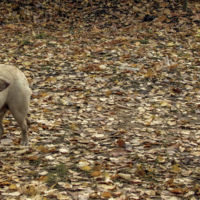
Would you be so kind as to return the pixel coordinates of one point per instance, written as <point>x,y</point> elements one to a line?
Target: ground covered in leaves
<point>115,105</point>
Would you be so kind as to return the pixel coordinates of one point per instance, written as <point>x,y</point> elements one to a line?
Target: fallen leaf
<point>175,168</point>
<point>139,170</point>
<point>86,168</point>
<point>120,143</point>
<point>96,173</point>
<point>106,195</point>
<point>13,187</point>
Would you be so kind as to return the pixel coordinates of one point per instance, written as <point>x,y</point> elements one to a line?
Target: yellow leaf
<point>13,187</point>
<point>161,159</point>
<point>43,149</point>
<point>12,26</point>
<point>43,178</point>
<point>53,186</point>
<point>137,43</point>
<point>33,33</point>
<point>187,98</point>
<point>150,72</point>
<point>107,176</point>
<point>31,190</point>
<point>74,127</point>
<point>6,168</point>
<point>134,65</point>
<point>170,44</point>
<point>116,81</point>
<point>175,168</point>
<point>27,63</point>
<point>108,93</point>
<point>45,110</point>
<point>122,59</point>
<point>146,76</point>
<point>99,108</point>
<point>164,104</point>
<point>44,94</point>
<point>96,173</point>
<point>106,195</point>
<point>67,186</point>
<point>86,168</point>
<point>51,79</point>
<point>6,121</point>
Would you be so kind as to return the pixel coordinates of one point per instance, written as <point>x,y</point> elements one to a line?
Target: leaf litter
<point>115,104</point>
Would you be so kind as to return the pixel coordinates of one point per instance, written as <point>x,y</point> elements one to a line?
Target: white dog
<point>14,96</point>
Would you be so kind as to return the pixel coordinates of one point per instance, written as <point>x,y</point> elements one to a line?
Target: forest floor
<point>115,105</point>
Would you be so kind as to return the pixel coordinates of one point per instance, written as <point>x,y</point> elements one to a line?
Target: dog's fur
<point>14,96</point>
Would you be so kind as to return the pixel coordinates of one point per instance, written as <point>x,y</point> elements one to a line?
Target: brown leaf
<point>108,93</point>
<point>173,66</point>
<point>99,108</point>
<point>169,182</point>
<point>45,110</point>
<point>139,170</point>
<point>97,168</point>
<point>121,38</point>
<point>175,168</point>
<point>119,93</point>
<point>45,127</point>
<point>176,90</point>
<point>178,191</point>
<point>120,142</point>
<point>5,183</point>
<point>96,30</point>
<point>43,178</point>
<point>106,195</point>
<point>122,130</point>
<point>43,149</point>
<point>31,190</point>
<point>74,127</point>
<point>33,158</point>
<point>96,173</point>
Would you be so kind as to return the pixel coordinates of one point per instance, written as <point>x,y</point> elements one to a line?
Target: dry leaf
<point>86,168</point>
<point>95,30</point>
<point>13,187</point>
<point>96,173</point>
<point>125,176</point>
<point>175,168</point>
<point>161,159</point>
<point>137,43</point>
<point>74,127</point>
<point>139,170</point>
<point>43,149</point>
<point>106,195</point>
<point>120,142</point>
